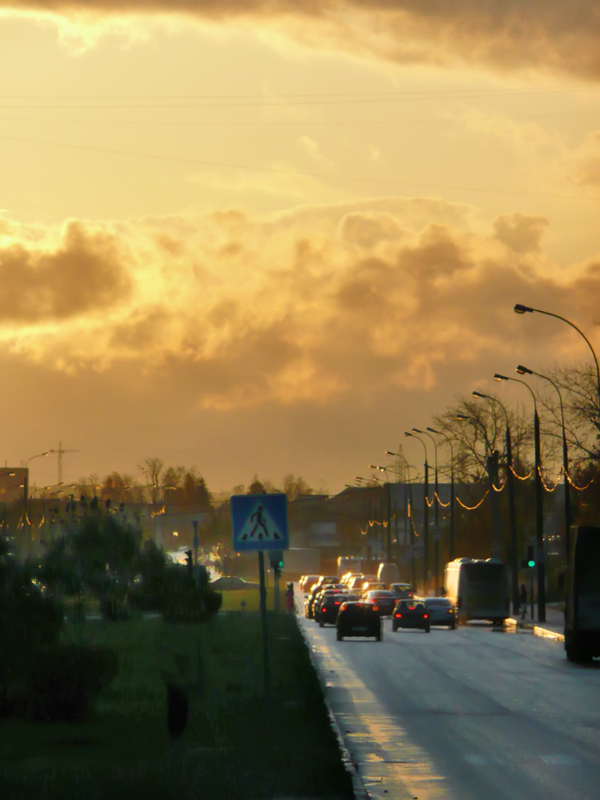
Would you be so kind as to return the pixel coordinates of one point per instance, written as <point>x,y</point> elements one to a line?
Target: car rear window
<point>409,605</point>
<point>382,593</point>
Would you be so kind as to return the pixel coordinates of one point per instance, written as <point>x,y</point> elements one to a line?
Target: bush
<point>65,680</point>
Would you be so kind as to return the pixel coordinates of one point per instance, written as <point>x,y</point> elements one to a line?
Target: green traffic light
<point>531,563</point>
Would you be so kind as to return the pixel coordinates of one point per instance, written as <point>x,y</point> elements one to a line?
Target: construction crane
<point>61,451</point>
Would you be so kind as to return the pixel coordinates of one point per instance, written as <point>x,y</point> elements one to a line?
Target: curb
<point>538,630</point>
<point>360,792</point>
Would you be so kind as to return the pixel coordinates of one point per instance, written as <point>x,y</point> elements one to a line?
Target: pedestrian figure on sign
<point>260,523</point>
<point>523,601</point>
<point>289,597</point>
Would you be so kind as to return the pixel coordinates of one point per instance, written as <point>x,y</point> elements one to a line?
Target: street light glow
<point>498,377</point>
<point>524,370</point>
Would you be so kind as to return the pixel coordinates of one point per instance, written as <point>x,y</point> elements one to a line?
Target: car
<point>355,583</point>
<point>383,599</point>
<point>358,619</point>
<point>316,598</point>
<point>320,597</point>
<point>325,579</point>
<point>403,590</point>
<point>441,611</point>
<point>308,581</point>
<point>411,614</point>
<point>330,606</point>
<point>368,586</point>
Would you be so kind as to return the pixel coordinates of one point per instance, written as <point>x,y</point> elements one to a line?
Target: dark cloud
<point>84,273</point>
<point>502,35</point>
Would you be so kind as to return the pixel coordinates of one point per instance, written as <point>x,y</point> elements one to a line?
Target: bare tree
<point>477,427</point>
<point>153,469</point>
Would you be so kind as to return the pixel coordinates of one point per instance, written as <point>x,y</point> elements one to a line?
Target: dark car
<point>441,611</point>
<point>384,600</point>
<point>403,591</point>
<point>330,605</point>
<point>312,595</point>
<point>411,614</point>
<point>320,598</point>
<point>358,619</point>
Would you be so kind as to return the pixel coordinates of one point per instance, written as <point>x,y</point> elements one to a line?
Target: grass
<point>237,744</point>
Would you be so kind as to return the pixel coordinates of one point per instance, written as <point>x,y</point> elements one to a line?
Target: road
<point>475,714</point>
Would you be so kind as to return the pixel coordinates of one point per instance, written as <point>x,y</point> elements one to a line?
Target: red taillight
<point>375,608</point>
<point>398,616</point>
<point>411,608</point>
<point>425,616</point>
<point>337,602</point>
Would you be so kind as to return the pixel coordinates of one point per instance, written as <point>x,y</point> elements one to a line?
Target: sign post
<point>259,522</point>
<point>196,542</point>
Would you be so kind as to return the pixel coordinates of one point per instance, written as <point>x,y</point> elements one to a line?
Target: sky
<point>269,237</point>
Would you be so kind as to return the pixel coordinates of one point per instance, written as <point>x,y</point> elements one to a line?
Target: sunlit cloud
<point>303,306</point>
<point>548,36</point>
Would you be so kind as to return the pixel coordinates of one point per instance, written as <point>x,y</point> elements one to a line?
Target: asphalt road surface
<point>475,714</point>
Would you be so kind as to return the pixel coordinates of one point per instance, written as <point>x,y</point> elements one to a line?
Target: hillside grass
<point>237,744</point>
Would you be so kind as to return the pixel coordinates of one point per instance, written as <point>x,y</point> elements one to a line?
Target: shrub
<point>65,680</point>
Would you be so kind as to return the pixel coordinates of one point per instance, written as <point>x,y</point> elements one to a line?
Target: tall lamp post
<point>380,483</point>
<point>425,512</point>
<point>539,502</point>
<point>452,492</point>
<point>521,309</point>
<point>409,536</point>
<point>26,498</point>
<point>436,534</point>
<point>512,511</point>
<point>565,454</point>
<point>491,467</point>
<point>388,497</point>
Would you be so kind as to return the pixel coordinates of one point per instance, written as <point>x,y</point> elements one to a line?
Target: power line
<point>276,171</point>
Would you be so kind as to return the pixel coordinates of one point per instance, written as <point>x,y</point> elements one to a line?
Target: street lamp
<point>521,309</point>
<point>539,501</point>
<point>26,498</point>
<point>452,518</point>
<point>388,497</point>
<point>425,511</point>
<point>567,504</point>
<point>436,535</point>
<point>408,525</point>
<point>512,512</point>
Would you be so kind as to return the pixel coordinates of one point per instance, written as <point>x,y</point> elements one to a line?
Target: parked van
<point>388,573</point>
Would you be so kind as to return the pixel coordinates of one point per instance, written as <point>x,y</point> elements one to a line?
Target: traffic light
<point>189,560</point>
<point>530,556</point>
<point>276,561</point>
<point>529,562</point>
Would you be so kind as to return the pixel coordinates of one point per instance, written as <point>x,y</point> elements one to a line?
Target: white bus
<point>582,610</point>
<point>478,589</point>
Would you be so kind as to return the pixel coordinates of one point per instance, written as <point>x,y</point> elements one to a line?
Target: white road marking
<point>561,761</point>
<point>482,760</point>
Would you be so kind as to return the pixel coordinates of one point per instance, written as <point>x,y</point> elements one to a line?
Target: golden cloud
<point>305,306</point>
<point>543,35</point>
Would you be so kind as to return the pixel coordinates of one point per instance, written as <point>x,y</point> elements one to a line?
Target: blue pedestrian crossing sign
<point>259,522</point>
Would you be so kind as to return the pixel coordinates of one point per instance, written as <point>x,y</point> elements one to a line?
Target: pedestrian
<point>289,597</point>
<point>523,601</point>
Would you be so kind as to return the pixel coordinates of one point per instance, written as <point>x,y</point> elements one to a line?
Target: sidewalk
<point>553,626</point>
